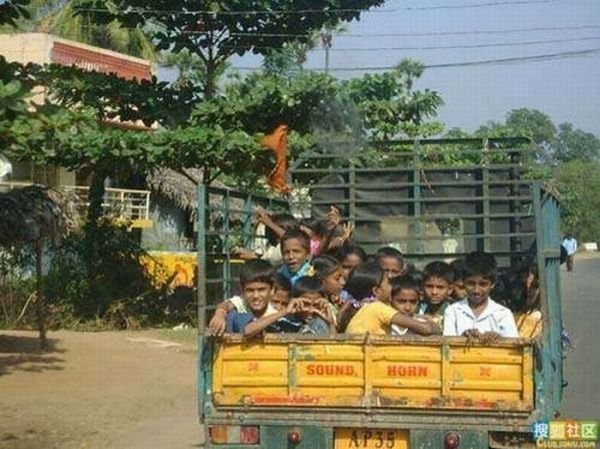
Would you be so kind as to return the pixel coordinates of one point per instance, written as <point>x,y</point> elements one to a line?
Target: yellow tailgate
<point>436,373</point>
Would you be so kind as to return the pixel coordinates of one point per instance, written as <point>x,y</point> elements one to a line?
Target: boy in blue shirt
<point>257,282</point>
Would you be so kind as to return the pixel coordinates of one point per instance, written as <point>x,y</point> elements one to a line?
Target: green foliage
<point>99,275</point>
<point>57,17</point>
<point>232,27</point>
<point>13,10</point>
<point>576,144</point>
<point>16,287</point>
<point>389,107</point>
<point>109,96</point>
<point>579,185</point>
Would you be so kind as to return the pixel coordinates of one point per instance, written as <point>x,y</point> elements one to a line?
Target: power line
<point>516,60</point>
<point>444,47</point>
<point>422,34</point>
<point>317,11</point>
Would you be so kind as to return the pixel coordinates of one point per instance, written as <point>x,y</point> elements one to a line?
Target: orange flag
<point>277,141</point>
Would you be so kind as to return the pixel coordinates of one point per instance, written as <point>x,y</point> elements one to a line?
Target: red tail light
<point>249,435</point>
<point>233,434</point>
<point>451,440</point>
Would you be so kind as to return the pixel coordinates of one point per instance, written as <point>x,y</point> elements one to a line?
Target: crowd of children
<point>325,285</point>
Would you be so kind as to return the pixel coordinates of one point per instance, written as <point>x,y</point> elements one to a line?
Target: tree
<point>576,144</point>
<point>58,17</point>
<point>11,11</point>
<point>579,184</point>
<point>218,30</point>
<point>388,105</point>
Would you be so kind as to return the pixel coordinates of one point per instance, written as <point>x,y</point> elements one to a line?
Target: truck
<point>433,200</point>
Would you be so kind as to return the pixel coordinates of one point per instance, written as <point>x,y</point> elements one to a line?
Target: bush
<point>16,288</point>
<point>96,278</point>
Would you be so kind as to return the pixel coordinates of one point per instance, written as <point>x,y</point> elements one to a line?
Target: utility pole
<point>326,41</point>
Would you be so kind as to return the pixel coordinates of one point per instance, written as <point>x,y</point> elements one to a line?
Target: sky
<point>566,89</point>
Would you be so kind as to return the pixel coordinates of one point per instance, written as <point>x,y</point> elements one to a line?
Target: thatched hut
<point>174,206</point>
<point>34,215</point>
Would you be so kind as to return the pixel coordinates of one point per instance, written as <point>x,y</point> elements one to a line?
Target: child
<point>406,294</point>
<point>279,297</point>
<point>295,249</point>
<point>350,256</point>
<point>256,280</point>
<point>268,248</point>
<point>437,288</point>
<point>331,274</point>
<point>282,289</point>
<point>479,316</point>
<point>390,260</point>
<point>458,286</point>
<point>529,316</point>
<point>315,311</point>
<point>371,289</point>
<point>307,312</point>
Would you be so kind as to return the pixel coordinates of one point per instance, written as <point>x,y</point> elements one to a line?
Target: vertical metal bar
<point>415,222</point>
<point>147,214</point>
<point>352,193</point>
<point>201,254</point>
<point>485,173</point>
<point>247,226</point>
<point>226,267</point>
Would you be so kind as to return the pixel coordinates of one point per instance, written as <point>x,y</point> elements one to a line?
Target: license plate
<point>357,438</point>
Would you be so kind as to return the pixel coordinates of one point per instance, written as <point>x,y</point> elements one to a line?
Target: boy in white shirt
<point>478,316</point>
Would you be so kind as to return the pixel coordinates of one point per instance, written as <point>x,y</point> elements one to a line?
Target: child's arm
<point>257,326</point>
<point>419,327</point>
<point>218,322</point>
<point>264,217</point>
<point>244,254</point>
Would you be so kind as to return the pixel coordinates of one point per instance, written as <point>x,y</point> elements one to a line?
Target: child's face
<point>280,299</point>
<point>309,303</point>
<point>334,283</point>
<point>384,290</point>
<point>256,295</point>
<point>294,254</point>
<point>458,290</point>
<point>478,289</point>
<point>349,262</point>
<point>391,266</point>
<point>436,289</point>
<point>406,301</point>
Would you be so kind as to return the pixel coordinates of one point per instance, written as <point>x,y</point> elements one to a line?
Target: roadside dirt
<point>98,390</point>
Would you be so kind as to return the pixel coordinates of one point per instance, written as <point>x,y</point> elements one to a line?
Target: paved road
<point>581,315</point>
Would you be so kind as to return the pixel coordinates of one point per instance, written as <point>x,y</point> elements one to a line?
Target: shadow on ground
<point>23,353</point>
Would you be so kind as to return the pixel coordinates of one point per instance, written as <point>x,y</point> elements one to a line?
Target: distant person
<point>458,286</point>
<point>391,261</point>
<point>570,244</point>
<point>478,316</point>
<point>350,256</point>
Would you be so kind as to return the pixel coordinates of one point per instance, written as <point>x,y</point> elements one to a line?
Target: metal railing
<point>124,204</point>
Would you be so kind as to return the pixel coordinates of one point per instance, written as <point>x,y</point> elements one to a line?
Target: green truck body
<point>434,211</point>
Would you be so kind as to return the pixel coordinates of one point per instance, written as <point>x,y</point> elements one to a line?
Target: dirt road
<point>98,390</point>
